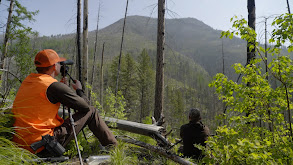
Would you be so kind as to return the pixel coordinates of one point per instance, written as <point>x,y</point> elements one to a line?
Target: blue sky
<point>59,16</point>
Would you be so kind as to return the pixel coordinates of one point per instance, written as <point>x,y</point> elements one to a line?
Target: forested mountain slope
<point>187,36</point>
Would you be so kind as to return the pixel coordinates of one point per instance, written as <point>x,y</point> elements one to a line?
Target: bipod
<point>75,137</point>
<point>64,71</point>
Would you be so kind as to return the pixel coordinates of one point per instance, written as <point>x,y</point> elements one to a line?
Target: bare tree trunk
<point>118,70</point>
<point>223,57</point>
<point>159,92</point>
<point>96,45</point>
<point>267,77</point>
<point>223,70</point>
<point>102,77</point>
<point>266,53</point>
<point>288,7</point>
<point>141,105</point>
<point>7,33</point>
<point>251,24</point>
<point>85,45</point>
<point>6,37</point>
<point>3,59</point>
<point>78,43</point>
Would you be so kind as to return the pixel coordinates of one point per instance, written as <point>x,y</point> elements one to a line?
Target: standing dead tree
<point>7,33</point>
<point>95,52</point>
<point>102,77</point>
<point>288,7</point>
<point>159,91</point>
<point>85,45</point>
<point>78,43</point>
<point>121,46</point>
<point>4,76</point>
<point>250,44</point>
<point>251,24</point>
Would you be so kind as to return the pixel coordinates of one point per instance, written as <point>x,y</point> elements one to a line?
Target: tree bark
<point>141,105</point>
<point>152,131</point>
<point>3,59</point>
<point>7,33</point>
<point>288,7</point>
<point>159,90</point>
<point>251,24</point>
<point>78,42</point>
<point>85,45</point>
<point>102,77</point>
<point>121,46</point>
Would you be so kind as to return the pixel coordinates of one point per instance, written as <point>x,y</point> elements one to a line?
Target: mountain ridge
<point>187,36</point>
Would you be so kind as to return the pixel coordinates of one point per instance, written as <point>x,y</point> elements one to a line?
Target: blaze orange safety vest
<point>35,116</point>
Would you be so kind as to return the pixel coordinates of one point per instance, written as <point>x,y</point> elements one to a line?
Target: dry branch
<point>158,150</point>
<point>153,131</point>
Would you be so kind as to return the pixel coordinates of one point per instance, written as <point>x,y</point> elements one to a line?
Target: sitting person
<point>38,99</point>
<point>193,133</point>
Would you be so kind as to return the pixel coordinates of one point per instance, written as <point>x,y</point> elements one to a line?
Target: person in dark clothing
<point>38,99</point>
<point>195,132</point>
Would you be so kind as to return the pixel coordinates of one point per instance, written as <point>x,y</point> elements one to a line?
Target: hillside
<point>187,36</point>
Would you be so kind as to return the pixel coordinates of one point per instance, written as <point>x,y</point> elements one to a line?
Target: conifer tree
<point>128,83</point>
<point>145,84</point>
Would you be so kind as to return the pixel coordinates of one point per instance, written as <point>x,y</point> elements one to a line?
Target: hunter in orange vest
<point>38,99</point>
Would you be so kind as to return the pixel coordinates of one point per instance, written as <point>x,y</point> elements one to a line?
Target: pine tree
<point>127,82</point>
<point>145,84</point>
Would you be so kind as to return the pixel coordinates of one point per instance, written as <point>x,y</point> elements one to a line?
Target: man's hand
<point>64,80</point>
<point>76,85</point>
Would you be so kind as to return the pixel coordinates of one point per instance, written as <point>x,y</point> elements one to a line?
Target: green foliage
<point>20,52</point>
<point>20,36</point>
<point>127,81</point>
<point>10,153</point>
<point>283,32</point>
<point>88,145</point>
<point>257,129</point>
<point>120,156</point>
<point>243,30</point>
<point>114,106</point>
<point>128,85</point>
<point>145,84</point>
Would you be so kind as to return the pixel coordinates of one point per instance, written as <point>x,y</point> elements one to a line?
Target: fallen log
<point>153,131</point>
<point>158,150</point>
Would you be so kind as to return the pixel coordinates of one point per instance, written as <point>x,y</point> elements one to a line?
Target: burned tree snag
<point>85,45</point>
<point>78,43</point>
<point>159,91</point>
<point>251,24</point>
<point>121,46</point>
<point>6,37</point>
